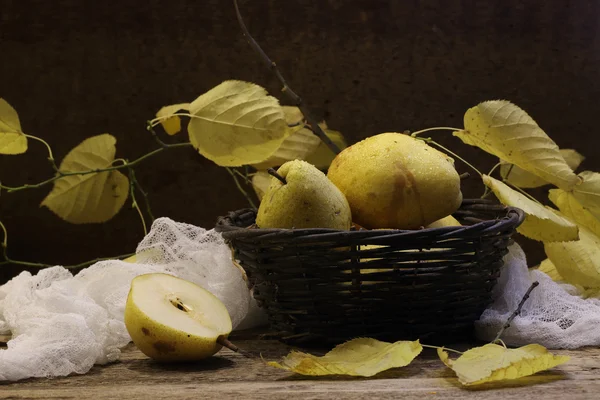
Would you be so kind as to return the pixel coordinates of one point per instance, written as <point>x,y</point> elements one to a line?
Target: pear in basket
<point>392,180</point>
<point>301,196</point>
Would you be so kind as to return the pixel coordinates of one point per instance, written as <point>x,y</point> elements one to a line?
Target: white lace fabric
<point>63,324</point>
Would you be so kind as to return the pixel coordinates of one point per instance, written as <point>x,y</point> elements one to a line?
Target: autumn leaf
<point>261,182</point>
<point>171,123</point>
<point>506,131</point>
<point>301,142</point>
<point>237,123</point>
<point>323,156</point>
<point>571,208</point>
<point>541,223</point>
<point>94,197</point>
<point>588,192</point>
<point>357,357</point>
<point>547,267</point>
<point>493,362</point>
<point>12,140</point>
<point>519,177</point>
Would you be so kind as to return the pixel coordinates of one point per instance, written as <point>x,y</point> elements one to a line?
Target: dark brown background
<point>75,68</point>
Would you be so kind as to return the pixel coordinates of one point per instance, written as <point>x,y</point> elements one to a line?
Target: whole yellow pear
<point>307,199</point>
<point>392,180</point>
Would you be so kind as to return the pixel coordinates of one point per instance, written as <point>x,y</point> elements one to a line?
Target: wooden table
<point>229,375</point>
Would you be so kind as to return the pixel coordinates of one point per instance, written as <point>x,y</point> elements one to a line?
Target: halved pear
<point>172,319</point>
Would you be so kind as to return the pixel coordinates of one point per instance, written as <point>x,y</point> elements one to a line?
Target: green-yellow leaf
<point>94,197</point>
<point>549,269</point>
<point>493,362</point>
<point>588,192</point>
<point>506,131</point>
<point>323,156</point>
<point>12,140</point>
<point>541,223</point>
<point>357,357</point>
<point>572,209</point>
<point>171,123</point>
<point>524,179</point>
<point>237,123</point>
<point>578,262</point>
<point>261,182</point>
<point>297,146</point>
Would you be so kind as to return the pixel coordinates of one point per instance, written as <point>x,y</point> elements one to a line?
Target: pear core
<point>171,319</point>
<point>392,180</point>
<point>307,199</point>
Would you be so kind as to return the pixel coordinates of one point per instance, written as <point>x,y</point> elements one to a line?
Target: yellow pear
<point>303,198</point>
<point>444,222</point>
<point>171,319</point>
<point>392,180</point>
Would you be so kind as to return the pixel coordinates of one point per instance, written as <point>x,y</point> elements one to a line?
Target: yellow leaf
<point>588,192</point>
<point>12,140</point>
<point>549,269</point>
<point>298,145</point>
<point>237,123</point>
<point>131,259</point>
<point>357,357</point>
<point>90,198</point>
<point>323,156</point>
<point>172,124</point>
<point>503,129</point>
<point>261,182</point>
<point>523,179</point>
<point>541,223</point>
<point>493,362</point>
<point>578,262</point>
<point>444,222</point>
<point>572,209</point>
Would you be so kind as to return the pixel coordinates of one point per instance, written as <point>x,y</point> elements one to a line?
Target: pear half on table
<point>172,319</point>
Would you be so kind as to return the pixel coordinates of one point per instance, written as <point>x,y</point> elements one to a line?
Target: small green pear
<point>303,198</point>
<point>392,180</point>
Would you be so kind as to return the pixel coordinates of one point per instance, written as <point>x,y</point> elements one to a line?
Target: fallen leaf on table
<point>506,131</point>
<point>541,223</point>
<point>357,357</point>
<point>493,362</point>
<point>517,176</point>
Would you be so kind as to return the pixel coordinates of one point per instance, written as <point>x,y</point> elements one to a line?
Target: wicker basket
<point>323,285</point>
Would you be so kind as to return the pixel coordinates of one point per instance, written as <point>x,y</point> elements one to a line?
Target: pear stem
<point>274,173</point>
<point>223,341</point>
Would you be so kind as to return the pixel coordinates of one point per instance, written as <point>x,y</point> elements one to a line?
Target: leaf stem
<point>240,188</point>
<point>517,311</point>
<point>437,128</point>
<point>50,154</point>
<point>443,348</point>
<point>294,98</point>
<point>530,197</point>
<point>144,195</point>
<point>134,202</point>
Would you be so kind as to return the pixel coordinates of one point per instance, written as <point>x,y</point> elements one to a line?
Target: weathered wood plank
<point>230,375</point>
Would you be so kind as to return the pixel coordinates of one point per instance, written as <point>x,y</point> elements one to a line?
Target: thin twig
<point>134,203</point>
<point>517,311</point>
<point>223,341</point>
<point>144,195</point>
<point>150,129</point>
<point>240,188</point>
<point>294,98</point>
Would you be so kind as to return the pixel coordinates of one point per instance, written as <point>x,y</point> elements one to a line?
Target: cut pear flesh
<point>171,319</point>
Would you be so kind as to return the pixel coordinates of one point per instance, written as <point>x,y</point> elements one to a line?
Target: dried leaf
<point>503,129</point>
<point>578,262</point>
<point>172,124</point>
<point>237,123</point>
<point>523,179</point>
<point>12,140</point>
<point>261,182</point>
<point>297,146</point>
<point>588,192</point>
<point>493,362</point>
<point>549,269</point>
<point>541,223</point>
<point>357,357</point>
<point>323,156</point>
<point>90,198</point>
<point>572,209</point>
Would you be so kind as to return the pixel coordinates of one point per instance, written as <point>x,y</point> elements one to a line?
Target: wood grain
<point>230,375</point>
